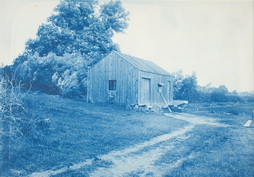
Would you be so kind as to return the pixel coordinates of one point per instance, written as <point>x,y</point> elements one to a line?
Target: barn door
<point>145,90</point>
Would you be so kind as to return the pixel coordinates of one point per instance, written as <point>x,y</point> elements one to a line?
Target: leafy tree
<point>78,34</point>
<point>77,27</point>
<point>185,87</point>
<point>178,83</point>
<point>65,75</point>
<point>220,94</point>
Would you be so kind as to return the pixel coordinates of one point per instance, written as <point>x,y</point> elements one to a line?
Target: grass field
<point>85,139</point>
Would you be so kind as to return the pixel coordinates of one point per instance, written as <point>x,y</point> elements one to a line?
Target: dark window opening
<point>112,85</point>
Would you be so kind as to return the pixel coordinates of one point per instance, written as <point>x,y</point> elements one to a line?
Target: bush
<point>19,128</point>
<point>52,74</point>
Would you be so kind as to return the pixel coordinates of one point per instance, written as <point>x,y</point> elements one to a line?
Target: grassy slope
<point>80,131</point>
<point>218,151</point>
<point>222,108</point>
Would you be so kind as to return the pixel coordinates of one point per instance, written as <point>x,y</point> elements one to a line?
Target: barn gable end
<point>113,69</point>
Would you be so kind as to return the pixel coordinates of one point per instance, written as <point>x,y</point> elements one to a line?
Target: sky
<point>213,38</point>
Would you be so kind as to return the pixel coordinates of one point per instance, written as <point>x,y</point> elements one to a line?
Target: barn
<point>124,79</point>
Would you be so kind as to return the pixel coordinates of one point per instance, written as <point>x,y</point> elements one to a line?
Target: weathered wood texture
<point>133,85</point>
<point>113,68</point>
<point>155,97</point>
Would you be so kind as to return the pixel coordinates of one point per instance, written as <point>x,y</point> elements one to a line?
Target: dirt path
<point>141,159</point>
<point>197,120</point>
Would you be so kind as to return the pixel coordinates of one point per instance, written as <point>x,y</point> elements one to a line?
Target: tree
<point>185,87</point>
<point>77,27</point>
<point>77,35</point>
<point>220,94</point>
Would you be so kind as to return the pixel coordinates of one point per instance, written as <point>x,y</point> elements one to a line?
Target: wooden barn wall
<point>113,67</point>
<point>167,89</point>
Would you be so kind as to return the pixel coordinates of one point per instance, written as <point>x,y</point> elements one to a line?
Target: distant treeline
<point>186,88</point>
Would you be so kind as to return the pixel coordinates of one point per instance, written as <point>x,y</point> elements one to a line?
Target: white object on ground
<point>247,124</point>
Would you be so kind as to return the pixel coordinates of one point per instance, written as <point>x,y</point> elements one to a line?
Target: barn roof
<point>143,65</point>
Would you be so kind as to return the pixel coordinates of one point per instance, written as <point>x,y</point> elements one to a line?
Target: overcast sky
<point>212,38</point>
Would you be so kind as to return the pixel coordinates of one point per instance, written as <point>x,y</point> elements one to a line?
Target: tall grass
<point>10,106</point>
<point>16,125</point>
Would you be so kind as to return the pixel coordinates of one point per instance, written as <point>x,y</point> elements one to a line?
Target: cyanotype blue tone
<point>72,104</point>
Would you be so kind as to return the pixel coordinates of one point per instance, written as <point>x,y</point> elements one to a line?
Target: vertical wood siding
<point>113,67</point>
<point>155,95</point>
<point>128,82</point>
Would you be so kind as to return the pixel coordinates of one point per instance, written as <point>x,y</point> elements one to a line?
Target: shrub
<point>19,128</point>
